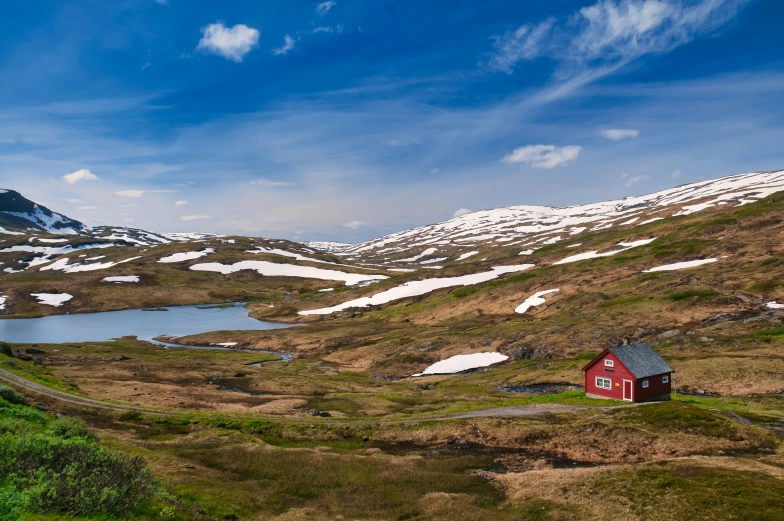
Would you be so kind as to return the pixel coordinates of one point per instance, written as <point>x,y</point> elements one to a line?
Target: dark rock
<point>34,352</point>
<point>41,408</point>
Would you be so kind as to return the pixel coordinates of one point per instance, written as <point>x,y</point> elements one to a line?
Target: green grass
<point>623,301</point>
<point>770,333</point>
<point>691,294</point>
<point>354,486</point>
<point>667,491</point>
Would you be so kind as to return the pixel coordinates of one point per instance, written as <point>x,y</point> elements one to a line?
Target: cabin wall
<point>618,373</point>
<point>656,389</point>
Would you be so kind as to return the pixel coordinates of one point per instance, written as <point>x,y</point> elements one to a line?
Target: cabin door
<point>627,390</point>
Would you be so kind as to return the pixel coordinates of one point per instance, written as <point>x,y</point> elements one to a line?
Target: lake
<point>146,325</point>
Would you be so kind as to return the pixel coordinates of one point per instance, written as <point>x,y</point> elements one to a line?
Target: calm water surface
<point>146,325</point>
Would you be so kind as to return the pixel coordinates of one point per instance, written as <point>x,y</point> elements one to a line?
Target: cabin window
<point>645,384</point>
<point>603,383</point>
<point>609,363</point>
<point>665,379</point>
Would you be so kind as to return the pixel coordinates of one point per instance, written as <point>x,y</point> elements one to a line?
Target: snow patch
<point>186,256</point>
<point>52,299</point>
<point>466,255</point>
<point>460,363</point>
<point>122,278</point>
<point>681,265</point>
<point>595,254</point>
<point>534,300</point>
<point>770,305</point>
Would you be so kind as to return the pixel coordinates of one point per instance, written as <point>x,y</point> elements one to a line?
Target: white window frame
<point>645,384</point>
<point>609,363</point>
<point>601,381</point>
<point>665,379</point>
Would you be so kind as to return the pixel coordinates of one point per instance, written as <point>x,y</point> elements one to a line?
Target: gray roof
<point>641,360</point>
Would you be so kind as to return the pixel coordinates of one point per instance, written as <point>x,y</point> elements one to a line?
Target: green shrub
<point>74,476</point>
<point>11,396</point>
<point>69,427</point>
<point>5,348</point>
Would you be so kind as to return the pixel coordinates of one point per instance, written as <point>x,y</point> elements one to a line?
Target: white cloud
<point>633,180</point>
<point>543,156</point>
<point>618,134</point>
<point>288,44</point>
<point>162,2</point>
<point>195,217</point>
<point>676,174</point>
<point>79,175</point>
<point>324,7</point>
<point>140,193</point>
<point>267,182</point>
<point>461,211</point>
<point>355,225</point>
<point>322,29</point>
<point>523,44</point>
<point>181,203</point>
<point>74,201</point>
<point>435,170</point>
<point>612,32</point>
<point>231,43</point>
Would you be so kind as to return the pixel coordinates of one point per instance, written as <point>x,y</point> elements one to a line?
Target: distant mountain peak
<point>18,212</point>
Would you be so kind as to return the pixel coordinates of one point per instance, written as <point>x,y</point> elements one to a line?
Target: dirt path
<point>521,411</point>
<point>36,388</point>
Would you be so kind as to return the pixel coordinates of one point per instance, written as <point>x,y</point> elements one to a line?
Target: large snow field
<point>419,287</point>
<point>273,269</point>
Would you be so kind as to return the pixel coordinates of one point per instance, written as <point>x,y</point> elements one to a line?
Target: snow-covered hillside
<point>531,227</point>
<point>17,212</point>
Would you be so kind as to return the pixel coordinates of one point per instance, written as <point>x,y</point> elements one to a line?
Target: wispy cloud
<point>322,29</point>
<point>676,174</point>
<point>355,225</point>
<point>543,156</point>
<point>631,180</point>
<point>461,212</point>
<point>619,134</point>
<point>288,44</point>
<point>231,43</point>
<point>268,182</point>
<point>611,33</point>
<point>79,175</point>
<point>87,208</point>
<point>196,217</point>
<point>180,203</point>
<point>324,7</point>
<point>135,194</point>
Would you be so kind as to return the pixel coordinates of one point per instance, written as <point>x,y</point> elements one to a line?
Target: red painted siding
<point>617,376</point>
<point>656,387</point>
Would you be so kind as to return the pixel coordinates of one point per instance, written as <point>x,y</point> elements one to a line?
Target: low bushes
<point>56,466</point>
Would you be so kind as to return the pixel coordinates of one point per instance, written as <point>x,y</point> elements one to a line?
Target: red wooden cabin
<point>634,373</point>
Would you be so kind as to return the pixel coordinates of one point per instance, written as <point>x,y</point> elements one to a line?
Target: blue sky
<point>345,120</point>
